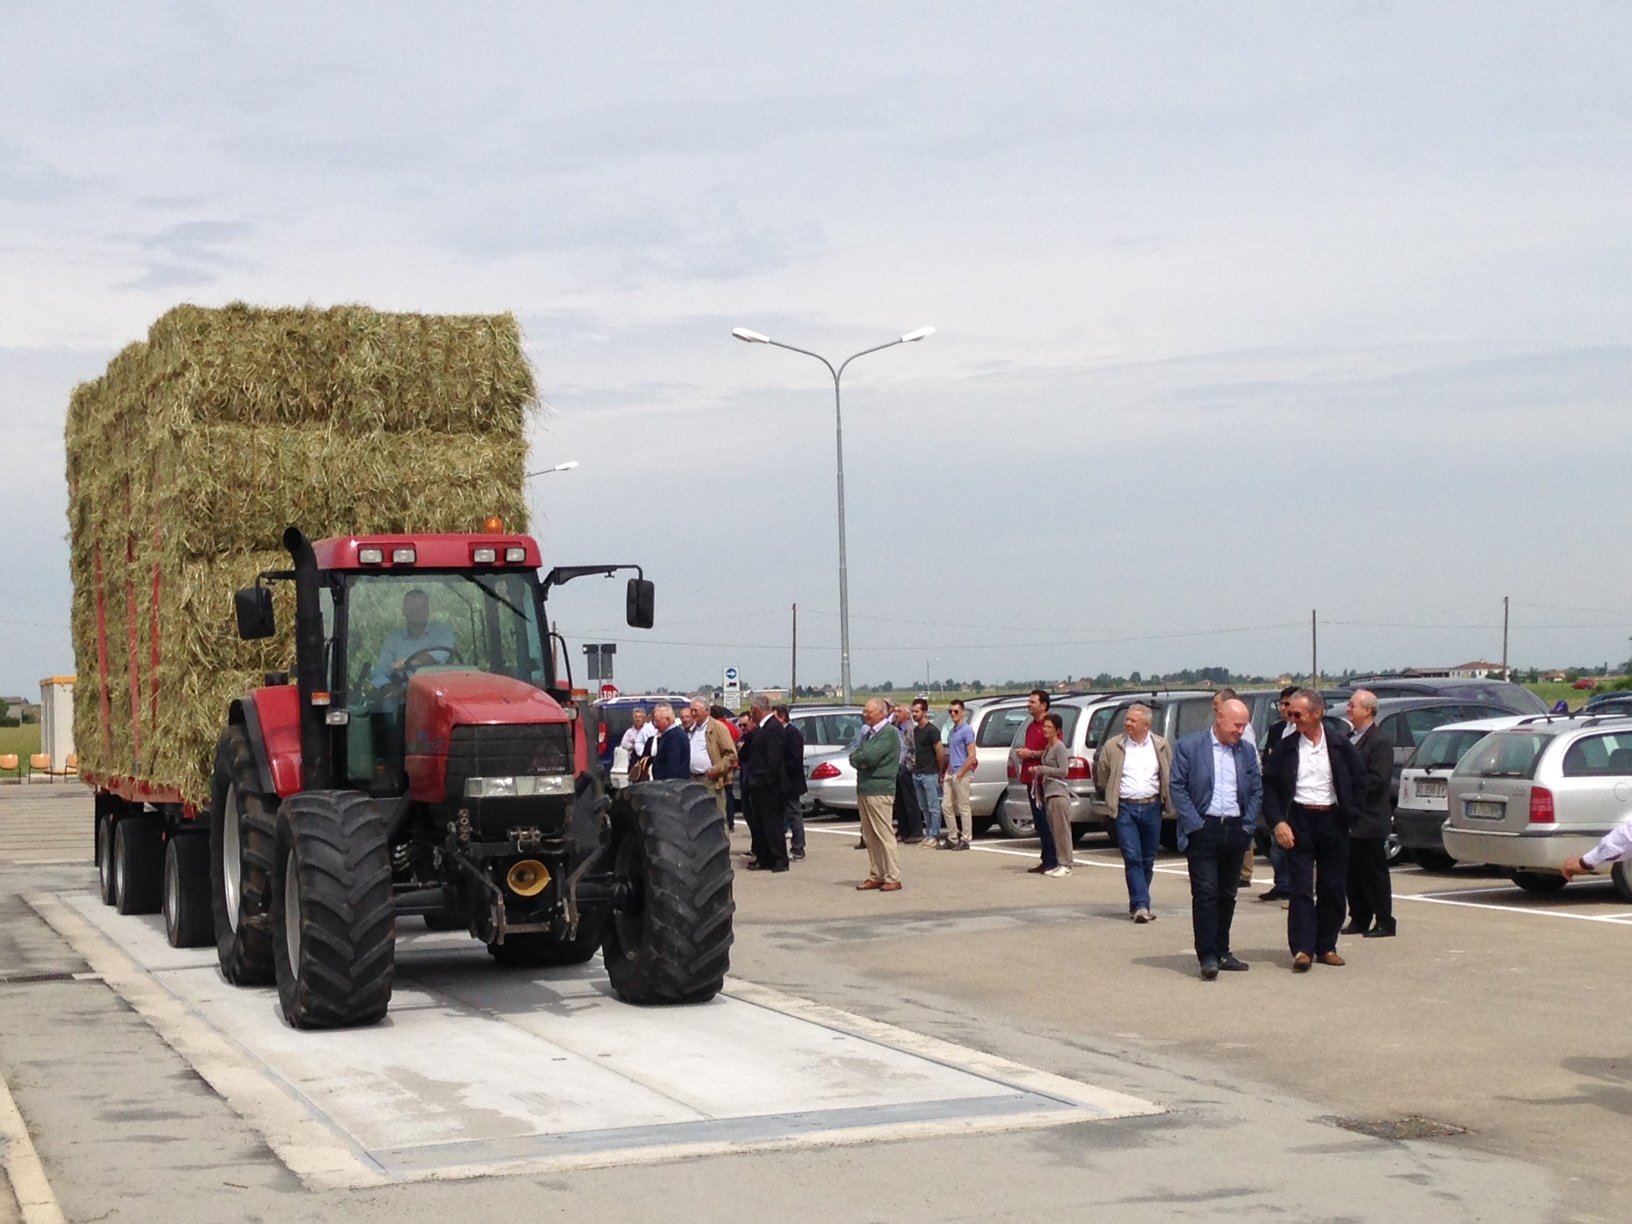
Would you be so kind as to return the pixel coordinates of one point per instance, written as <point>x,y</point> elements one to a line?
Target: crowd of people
<point>1319,786</point>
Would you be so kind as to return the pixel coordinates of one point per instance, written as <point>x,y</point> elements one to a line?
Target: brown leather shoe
<point>1331,958</point>
<point>869,884</point>
<point>1301,962</point>
<point>890,886</point>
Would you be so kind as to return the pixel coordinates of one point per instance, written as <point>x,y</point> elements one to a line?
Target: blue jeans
<point>1138,829</point>
<point>1045,835</point>
<point>928,789</point>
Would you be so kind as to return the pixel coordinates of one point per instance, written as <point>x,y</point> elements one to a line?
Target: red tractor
<point>428,761</point>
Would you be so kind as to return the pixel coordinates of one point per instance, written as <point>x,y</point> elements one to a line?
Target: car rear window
<point>1195,714</point>
<point>1504,754</point>
<point>1600,756</point>
<point>998,729</point>
<point>1443,749</point>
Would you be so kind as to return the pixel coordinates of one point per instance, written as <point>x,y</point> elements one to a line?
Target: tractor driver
<point>404,649</point>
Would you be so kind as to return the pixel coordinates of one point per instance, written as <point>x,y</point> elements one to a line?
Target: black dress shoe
<point>1273,894</point>
<point>1209,970</point>
<point>1354,928</point>
<point>1380,932</point>
<point>1231,963</point>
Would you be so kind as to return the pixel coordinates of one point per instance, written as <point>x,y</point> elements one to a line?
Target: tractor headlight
<point>523,787</point>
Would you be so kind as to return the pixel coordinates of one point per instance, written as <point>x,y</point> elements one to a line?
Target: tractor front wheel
<point>671,943</point>
<point>333,941</point>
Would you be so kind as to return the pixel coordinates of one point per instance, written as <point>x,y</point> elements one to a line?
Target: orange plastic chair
<point>39,763</point>
<point>9,763</point>
<point>70,765</point>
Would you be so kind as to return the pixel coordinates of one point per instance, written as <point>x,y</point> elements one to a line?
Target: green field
<point>1551,693</point>
<point>24,740</point>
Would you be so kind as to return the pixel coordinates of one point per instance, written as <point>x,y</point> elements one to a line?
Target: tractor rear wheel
<point>333,945</point>
<point>104,857</point>
<point>240,852</point>
<point>138,864</point>
<point>536,949</point>
<point>188,921</point>
<point>672,942</point>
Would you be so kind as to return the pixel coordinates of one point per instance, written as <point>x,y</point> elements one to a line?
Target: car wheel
<point>1433,860</point>
<point>1012,826</point>
<point>1623,881</point>
<point>1539,882</point>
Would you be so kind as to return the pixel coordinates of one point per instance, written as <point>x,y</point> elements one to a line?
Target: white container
<point>57,721</point>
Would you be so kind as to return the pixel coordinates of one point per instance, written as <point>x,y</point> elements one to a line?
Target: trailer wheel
<point>536,949</point>
<point>188,921</point>
<point>333,944</point>
<point>240,853</point>
<point>104,857</point>
<point>671,943</point>
<point>138,864</point>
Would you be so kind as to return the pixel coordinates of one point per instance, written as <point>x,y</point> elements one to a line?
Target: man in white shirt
<point>418,642</point>
<point>1138,767</point>
<point>639,734</point>
<point>1310,789</point>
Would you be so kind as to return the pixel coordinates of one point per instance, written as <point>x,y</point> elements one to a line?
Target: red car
<point>1586,682</point>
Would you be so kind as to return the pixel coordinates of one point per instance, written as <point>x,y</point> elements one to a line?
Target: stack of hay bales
<point>193,452</point>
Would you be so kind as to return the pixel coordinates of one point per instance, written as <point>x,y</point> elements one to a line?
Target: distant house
<point>1477,670</point>
<point>1553,677</point>
<point>19,709</point>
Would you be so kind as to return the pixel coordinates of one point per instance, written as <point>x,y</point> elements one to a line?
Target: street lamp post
<point>753,337</point>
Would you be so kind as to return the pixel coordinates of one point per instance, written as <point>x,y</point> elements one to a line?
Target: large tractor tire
<point>333,940</point>
<point>138,864</point>
<point>240,852</point>
<point>188,920</point>
<point>673,943</point>
<point>535,949</point>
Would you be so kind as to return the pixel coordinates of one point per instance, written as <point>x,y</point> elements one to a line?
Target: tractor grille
<point>510,751</point>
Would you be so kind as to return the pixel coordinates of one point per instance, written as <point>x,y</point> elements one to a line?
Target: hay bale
<point>191,454</point>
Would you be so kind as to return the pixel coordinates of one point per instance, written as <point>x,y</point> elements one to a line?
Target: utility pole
<point>793,685</point>
<point>1314,651</point>
<point>1506,675</point>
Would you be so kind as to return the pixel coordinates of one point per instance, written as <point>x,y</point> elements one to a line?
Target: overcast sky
<point>1242,310</point>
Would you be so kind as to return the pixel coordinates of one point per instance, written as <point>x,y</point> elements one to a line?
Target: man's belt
<point>1140,799</point>
<point>1315,807</point>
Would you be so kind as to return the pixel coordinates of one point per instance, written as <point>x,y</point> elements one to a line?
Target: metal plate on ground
<point>479,1069</point>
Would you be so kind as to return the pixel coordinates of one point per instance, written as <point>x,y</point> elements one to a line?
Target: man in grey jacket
<point>1137,767</point>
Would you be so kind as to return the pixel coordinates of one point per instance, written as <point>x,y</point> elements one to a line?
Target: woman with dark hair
<point>1048,783</point>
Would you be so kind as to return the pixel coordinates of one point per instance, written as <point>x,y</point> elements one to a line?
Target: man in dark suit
<point>1216,791</point>
<point>796,785</point>
<point>1371,895</point>
<point>1310,787</point>
<point>764,782</point>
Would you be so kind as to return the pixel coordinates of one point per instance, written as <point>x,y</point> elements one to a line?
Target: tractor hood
<point>438,701</point>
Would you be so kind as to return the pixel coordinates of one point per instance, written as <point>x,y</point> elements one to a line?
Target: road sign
<point>731,696</point>
<point>608,691</point>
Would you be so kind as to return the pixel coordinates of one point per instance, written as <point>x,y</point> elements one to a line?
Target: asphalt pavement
<point>1492,1027</point>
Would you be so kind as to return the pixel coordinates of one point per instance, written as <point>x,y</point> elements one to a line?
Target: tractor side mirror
<point>638,604</point>
<point>254,608</point>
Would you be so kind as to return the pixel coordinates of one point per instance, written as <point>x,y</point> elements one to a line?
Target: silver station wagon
<point>1530,796</point>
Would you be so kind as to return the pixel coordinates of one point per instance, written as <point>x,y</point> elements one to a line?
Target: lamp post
<point>753,337</point>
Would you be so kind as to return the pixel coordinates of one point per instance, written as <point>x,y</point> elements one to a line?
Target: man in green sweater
<point>876,759</point>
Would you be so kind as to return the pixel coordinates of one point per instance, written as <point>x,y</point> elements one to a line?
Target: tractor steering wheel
<point>420,658</point>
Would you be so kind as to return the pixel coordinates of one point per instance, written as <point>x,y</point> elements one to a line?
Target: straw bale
<point>191,454</point>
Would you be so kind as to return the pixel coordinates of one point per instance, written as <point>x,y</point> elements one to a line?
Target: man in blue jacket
<point>671,754</point>
<point>1217,791</point>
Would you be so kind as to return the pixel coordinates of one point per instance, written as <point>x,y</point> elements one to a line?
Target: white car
<point>1420,816</point>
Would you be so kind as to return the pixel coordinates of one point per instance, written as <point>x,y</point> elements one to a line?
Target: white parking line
<point>1437,898</point>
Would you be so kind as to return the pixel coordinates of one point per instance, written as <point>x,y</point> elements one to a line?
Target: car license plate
<point>1484,809</point>
<point>1429,788</point>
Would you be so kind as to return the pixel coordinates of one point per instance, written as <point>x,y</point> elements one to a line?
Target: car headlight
<point>523,787</point>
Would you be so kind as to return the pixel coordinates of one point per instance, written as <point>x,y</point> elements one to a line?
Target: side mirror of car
<point>254,608</point>
<point>638,603</point>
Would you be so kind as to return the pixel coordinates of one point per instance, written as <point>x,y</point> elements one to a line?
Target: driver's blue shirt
<point>400,645</point>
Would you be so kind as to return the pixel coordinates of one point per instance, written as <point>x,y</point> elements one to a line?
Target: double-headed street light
<point>753,337</point>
